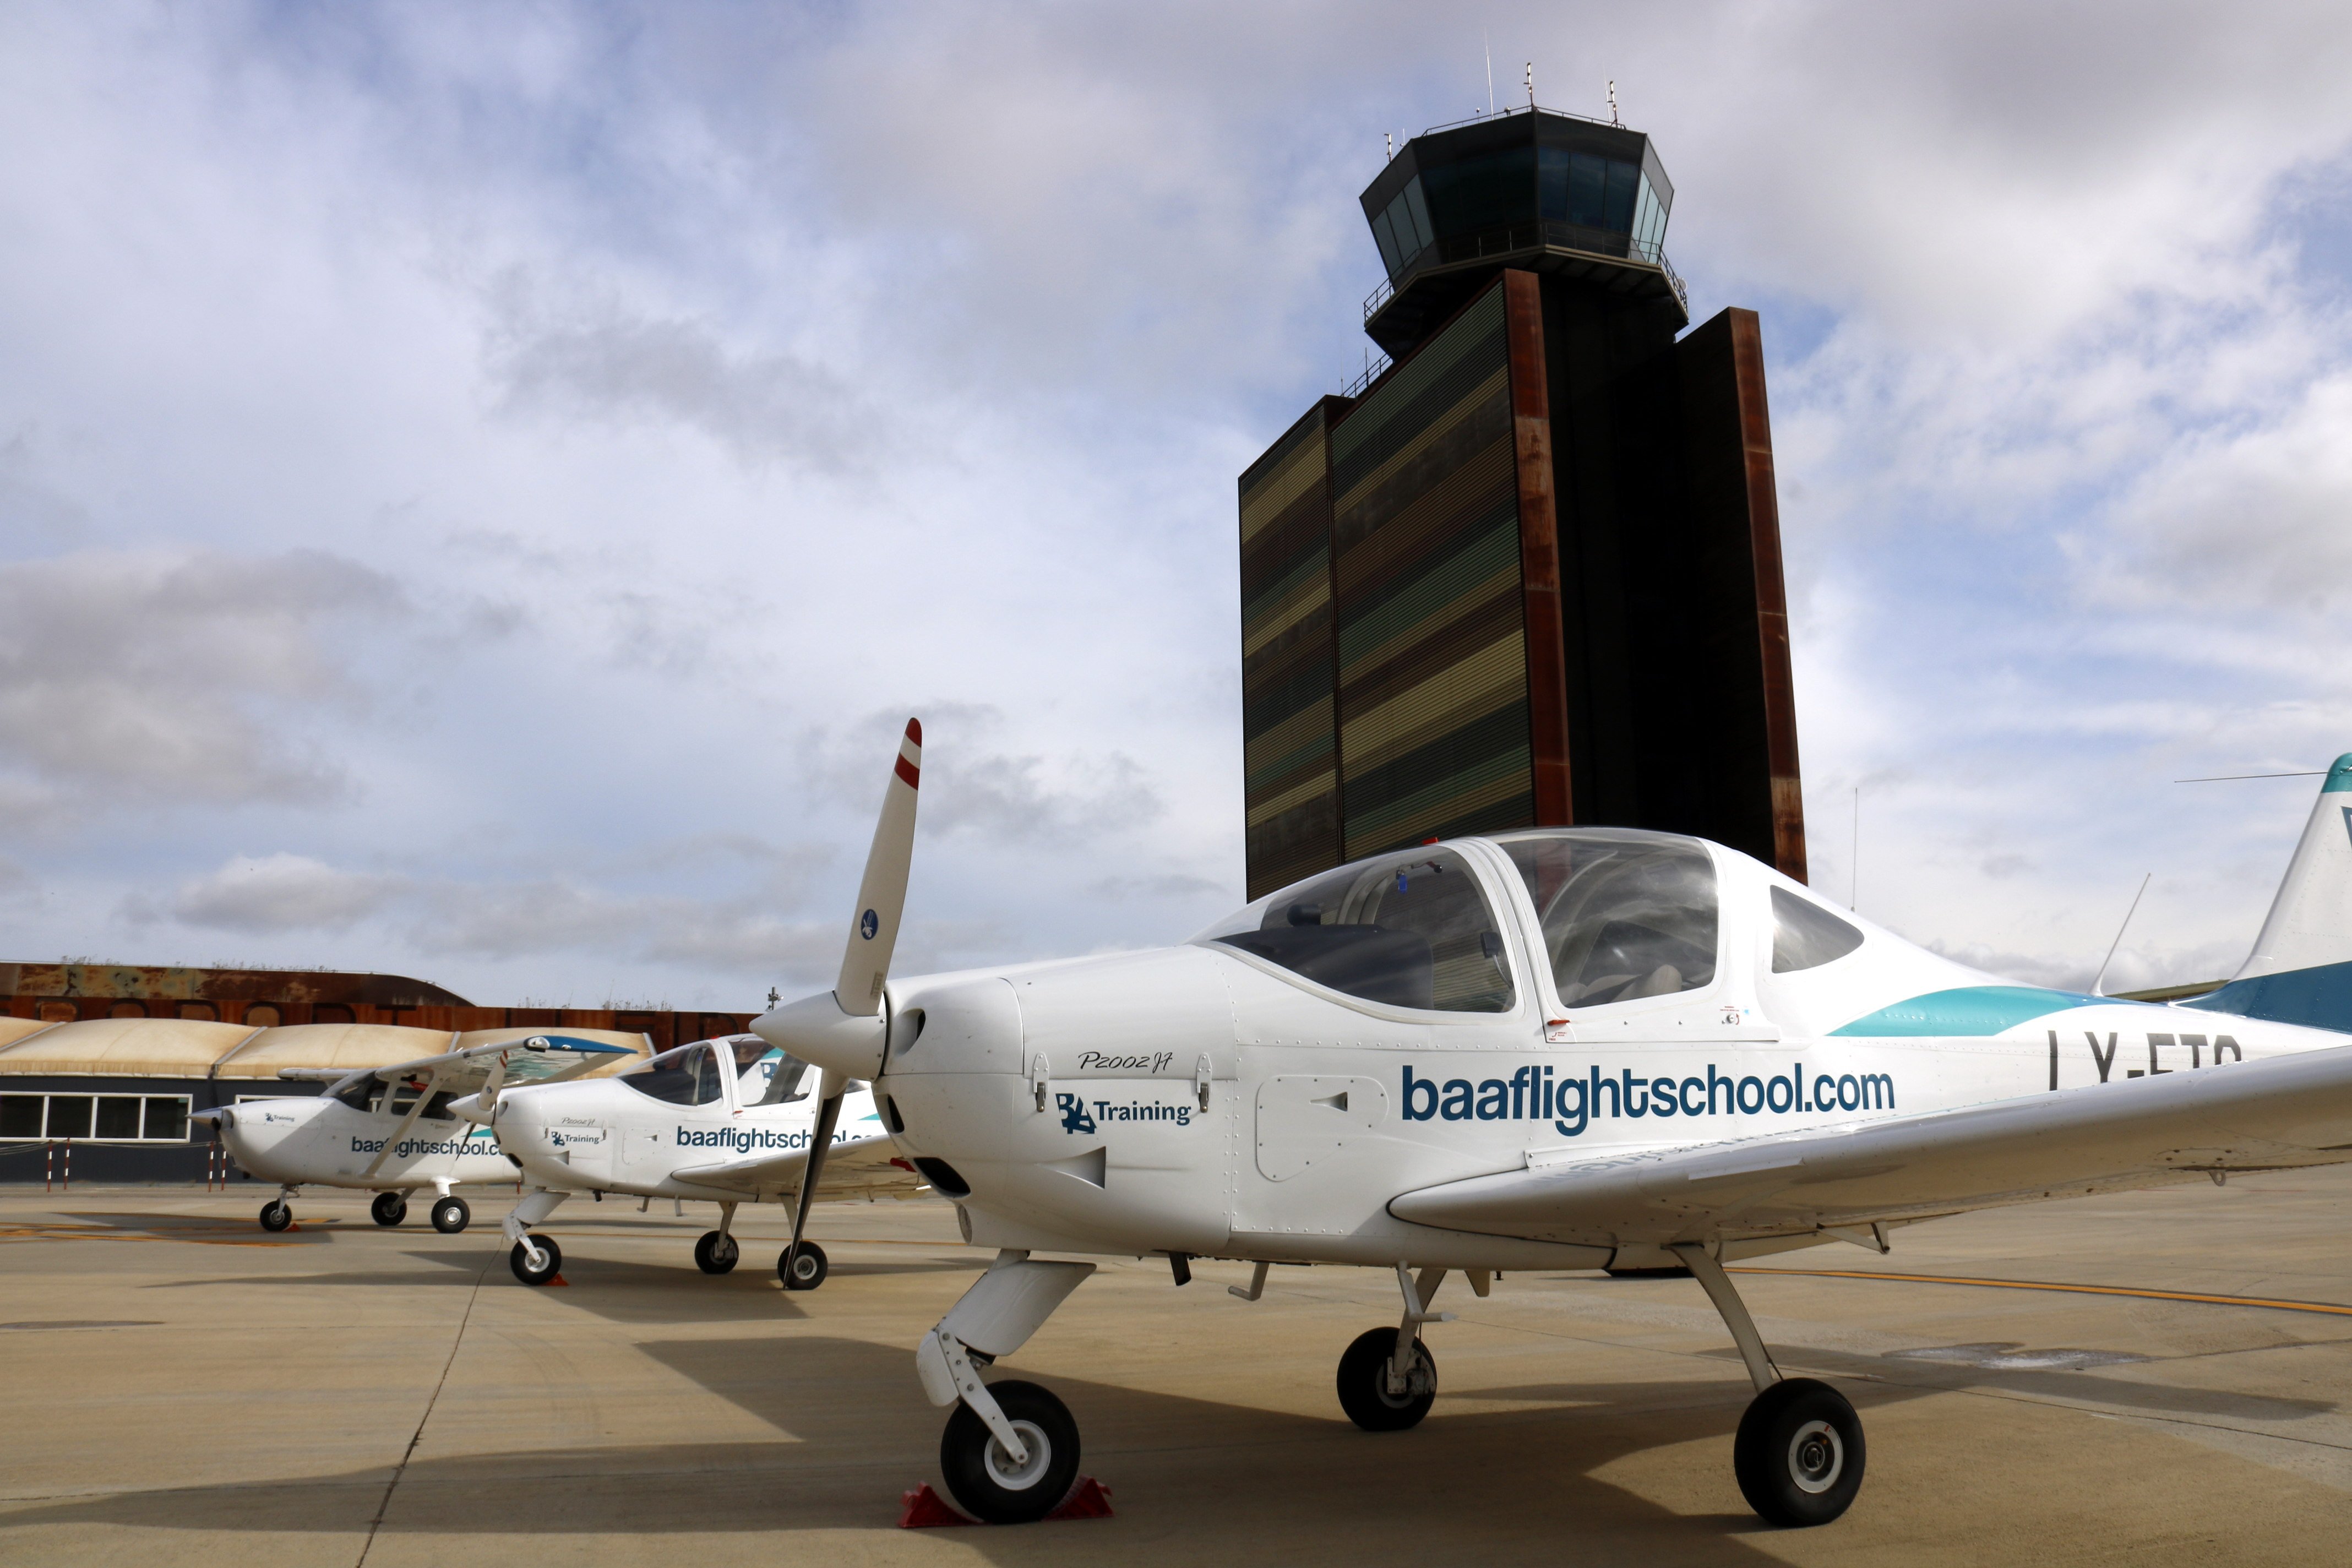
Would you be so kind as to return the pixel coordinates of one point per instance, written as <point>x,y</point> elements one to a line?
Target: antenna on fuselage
<point>1612,103</point>
<point>2100,979</point>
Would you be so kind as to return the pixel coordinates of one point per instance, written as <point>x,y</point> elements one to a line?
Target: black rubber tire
<point>519,1261</point>
<point>716,1254</point>
<point>992,1493</point>
<point>276,1215</point>
<point>1363,1384</point>
<point>451,1216</point>
<point>1799,1453</point>
<point>389,1208</point>
<point>809,1268</point>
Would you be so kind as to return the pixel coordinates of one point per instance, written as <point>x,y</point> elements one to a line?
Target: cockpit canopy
<point>1410,929</point>
<point>691,1075</point>
<point>1625,915</point>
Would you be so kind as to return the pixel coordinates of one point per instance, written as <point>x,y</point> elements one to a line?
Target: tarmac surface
<point>183,1387</point>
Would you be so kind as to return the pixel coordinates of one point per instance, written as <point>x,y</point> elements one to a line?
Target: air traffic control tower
<point>1529,572</point>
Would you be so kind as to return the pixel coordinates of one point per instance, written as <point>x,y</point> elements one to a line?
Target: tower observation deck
<point>1528,573</point>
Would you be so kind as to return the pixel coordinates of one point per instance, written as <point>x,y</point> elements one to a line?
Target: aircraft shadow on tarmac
<point>1509,1486</point>
<point>617,1290</point>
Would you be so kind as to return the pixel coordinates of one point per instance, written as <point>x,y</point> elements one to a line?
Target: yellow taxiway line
<point>2200,1297</point>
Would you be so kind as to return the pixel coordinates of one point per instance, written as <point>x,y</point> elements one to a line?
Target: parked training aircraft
<point>726,1121</point>
<point>390,1128</point>
<point>1559,1048</point>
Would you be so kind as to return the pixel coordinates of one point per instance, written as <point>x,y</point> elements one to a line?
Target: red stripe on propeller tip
<point>915,730</point>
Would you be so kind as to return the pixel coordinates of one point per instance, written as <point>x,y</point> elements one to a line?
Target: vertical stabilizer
<point>2310,922</point>
<point>2301,969</point>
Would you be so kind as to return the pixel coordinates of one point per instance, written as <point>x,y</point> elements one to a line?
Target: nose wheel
<point>1799,1453</point>
<point>984,1476</point>
<point>716,1253</point>
<point>805,1270</point>
<point>389,1208</point>
<point>551,1259</point>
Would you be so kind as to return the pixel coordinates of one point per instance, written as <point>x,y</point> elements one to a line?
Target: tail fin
<point>2301,969</point>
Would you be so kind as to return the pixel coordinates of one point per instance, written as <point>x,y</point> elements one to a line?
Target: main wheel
<point>808,1270</point>
<point>275,1215</point>
<point>520,1260</point>
<point>389,1208</point>
<point>451,1216</point>
<point>716,1253</point>
<point>1799,1453</point>
<point>982,1475</point>
<point>1364,1384</point>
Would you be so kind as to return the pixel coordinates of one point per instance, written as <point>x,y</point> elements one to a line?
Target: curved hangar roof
<point>183,1047</point>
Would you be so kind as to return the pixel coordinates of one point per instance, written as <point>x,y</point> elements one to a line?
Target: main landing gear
<point>536,1259</point>
<point>277,1215</point>
<point>1010,1449</point>
<point>1388,1379</point>
<point>451,1214</point>
<point>1798,1455</point>
<point>389,1208</point>
<point>717,1253</point>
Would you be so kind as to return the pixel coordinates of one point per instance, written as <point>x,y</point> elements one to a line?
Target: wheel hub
<point>1816,1457</point>
<point>1015,1478</point>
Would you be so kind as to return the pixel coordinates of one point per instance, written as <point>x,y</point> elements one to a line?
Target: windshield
<point>768,1076</point>
<point>1625,914</point>
<point>686,1076</point>
<point>1411,930</point>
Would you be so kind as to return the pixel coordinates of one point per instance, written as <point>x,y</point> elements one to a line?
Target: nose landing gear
<point>803,1268</point>
<point>985,1477</point>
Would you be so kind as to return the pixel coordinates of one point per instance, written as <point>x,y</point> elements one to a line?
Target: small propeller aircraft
<point>391,1129</point>
<point>1560,1048</point>
<point>728,1120</point>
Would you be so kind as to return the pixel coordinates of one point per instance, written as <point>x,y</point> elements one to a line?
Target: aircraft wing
<point>542,1059</point>
<point>2268,1114</point>
<point>857,1168</point>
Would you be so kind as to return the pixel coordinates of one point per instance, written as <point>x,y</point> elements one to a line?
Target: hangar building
<point>112,1059</point>
<point>1528,572</point>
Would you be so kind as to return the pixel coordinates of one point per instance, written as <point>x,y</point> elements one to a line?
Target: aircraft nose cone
<point>469,1108</point>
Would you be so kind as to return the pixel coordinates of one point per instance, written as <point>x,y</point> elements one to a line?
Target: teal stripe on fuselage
<point>1971,1010</point>
<point>2319,998</point>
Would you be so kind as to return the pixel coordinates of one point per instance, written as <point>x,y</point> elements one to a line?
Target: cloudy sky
<point>479,487</point>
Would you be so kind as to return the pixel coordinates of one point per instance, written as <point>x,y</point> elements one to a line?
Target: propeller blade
<point>843,1031</point>
<point>828,1115</point>
<point>882,895</point>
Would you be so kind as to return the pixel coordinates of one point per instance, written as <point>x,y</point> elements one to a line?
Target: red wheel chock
<point>926,1509</point>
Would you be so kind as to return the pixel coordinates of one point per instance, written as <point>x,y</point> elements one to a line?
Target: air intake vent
<point>942,1177</point>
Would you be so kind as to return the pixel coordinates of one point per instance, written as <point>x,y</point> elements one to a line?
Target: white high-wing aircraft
<point>390,1128</point>
<point>1559,1048</point>
<point>729,1121</point>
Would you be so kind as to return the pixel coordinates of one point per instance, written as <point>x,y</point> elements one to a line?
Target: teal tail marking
<point>2319,998</point>
<point>1971,1010</point>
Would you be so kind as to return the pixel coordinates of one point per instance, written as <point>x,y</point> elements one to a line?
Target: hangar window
<point>1805,935</point>
<point>98,1119</point>
<point>686,1076</point>
<point>1626,914</point>
<point>1410,929</point>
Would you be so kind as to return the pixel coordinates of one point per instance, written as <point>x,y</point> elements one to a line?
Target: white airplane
<point>729,1121</point>
<point>1562,1048</point>
<point>390,1128</point>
